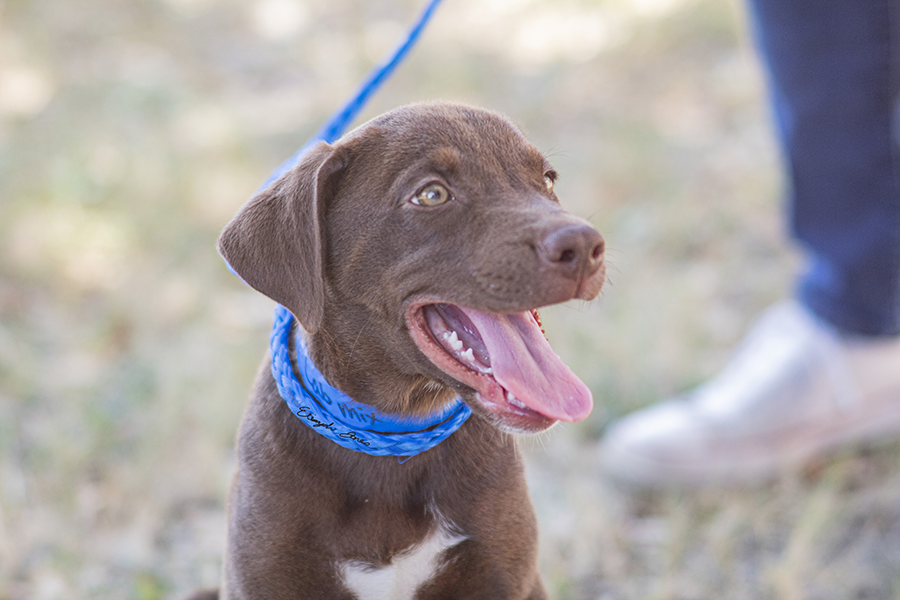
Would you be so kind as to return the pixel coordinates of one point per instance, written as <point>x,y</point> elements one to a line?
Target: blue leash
<point>311,398</point>
<point>338,122</point>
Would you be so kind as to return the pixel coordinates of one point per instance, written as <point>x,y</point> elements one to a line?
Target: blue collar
<point>351,424</point>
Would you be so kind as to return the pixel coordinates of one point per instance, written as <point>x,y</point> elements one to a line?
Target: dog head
<point>415,252</point>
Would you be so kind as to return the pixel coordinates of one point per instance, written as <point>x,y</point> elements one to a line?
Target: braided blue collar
<point>351,424</point>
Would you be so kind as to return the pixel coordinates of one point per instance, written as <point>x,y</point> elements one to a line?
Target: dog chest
<point>408,570</point>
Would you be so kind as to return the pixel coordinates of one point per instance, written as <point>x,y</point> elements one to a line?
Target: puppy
<point>414,253</point>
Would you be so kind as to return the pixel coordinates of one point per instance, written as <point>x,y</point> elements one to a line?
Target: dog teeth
<point>453,340</point>
<point>514,401</point>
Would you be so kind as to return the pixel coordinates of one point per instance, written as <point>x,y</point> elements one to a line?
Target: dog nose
<point>574,251</point>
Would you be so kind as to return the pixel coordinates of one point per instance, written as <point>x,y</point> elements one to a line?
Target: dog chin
<point>515,421</point>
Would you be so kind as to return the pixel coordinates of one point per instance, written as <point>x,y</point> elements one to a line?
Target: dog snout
<point>573,251</point>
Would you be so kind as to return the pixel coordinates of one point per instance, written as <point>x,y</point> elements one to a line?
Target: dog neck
<point>333,414</point>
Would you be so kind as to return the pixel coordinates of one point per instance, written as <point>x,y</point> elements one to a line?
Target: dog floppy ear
<point>274,242</point>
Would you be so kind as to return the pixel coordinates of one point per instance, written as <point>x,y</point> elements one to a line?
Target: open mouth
<point>506,359</point>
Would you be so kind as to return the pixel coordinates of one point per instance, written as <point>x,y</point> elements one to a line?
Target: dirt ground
<point>130,131</point>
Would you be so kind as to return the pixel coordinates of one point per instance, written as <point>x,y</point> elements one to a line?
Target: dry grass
<point>130,131</point>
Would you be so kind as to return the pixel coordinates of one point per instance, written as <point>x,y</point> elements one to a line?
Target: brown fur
<point>338,243</point>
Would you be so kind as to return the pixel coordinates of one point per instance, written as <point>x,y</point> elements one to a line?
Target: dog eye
<point>548,183</point>
<point>433,194</point>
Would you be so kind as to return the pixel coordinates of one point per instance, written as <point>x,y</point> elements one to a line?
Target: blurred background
<point>130,132</point>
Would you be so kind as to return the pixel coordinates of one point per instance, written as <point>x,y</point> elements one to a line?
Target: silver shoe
<point>794,390</point>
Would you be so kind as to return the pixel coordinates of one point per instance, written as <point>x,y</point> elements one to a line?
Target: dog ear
<point>274,242</point>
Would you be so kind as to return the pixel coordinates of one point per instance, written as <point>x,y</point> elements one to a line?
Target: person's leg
<point>825,371</point>
<point>834,78</point>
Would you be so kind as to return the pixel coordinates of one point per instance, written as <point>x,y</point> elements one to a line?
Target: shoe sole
<point>876,425</point>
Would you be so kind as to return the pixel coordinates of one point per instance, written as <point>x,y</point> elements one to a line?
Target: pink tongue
<point>525,365</point>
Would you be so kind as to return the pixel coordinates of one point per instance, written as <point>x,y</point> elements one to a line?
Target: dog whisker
<point>363,328</point>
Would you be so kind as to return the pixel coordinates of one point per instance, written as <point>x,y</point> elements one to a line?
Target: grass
<point>131,131</point>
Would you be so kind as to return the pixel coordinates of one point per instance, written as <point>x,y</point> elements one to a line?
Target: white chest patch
<point>409,569</point>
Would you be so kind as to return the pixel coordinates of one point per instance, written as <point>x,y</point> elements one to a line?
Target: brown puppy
<point>428,220</point>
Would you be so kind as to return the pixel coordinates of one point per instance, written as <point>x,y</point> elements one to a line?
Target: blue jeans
<point>834,75</point>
